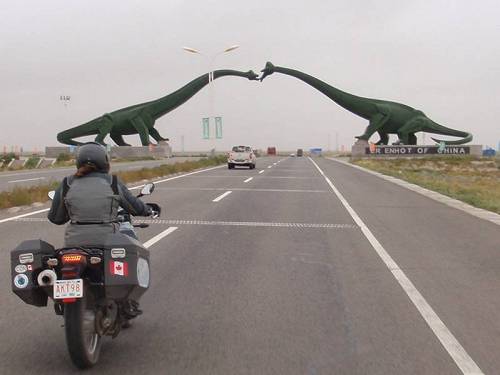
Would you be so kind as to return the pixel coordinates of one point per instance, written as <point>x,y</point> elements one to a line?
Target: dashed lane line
<point>132,188</point>
<point>24,215</point>
<point>282,177</point>
<point>456,351</point>
<point>262,171</point>
<point>158,237</point>
<point>180,176</point>
<point>243,189</point>
<point>222,196</point>
<point>27,179</point>
<point>226,223</point>
<point>248,179</point>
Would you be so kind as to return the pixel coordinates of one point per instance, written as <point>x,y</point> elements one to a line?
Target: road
<point>308,267</point>
<point>11,179</point>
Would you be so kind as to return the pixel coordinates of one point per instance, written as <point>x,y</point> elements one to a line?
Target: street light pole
<point>211,78</point>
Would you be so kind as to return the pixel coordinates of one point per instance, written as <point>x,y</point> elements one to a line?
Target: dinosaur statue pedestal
<point>358,148</point>
<point>162,150</point>
<point>362,149</point>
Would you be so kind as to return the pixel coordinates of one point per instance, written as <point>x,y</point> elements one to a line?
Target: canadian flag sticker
<point>118,268</point>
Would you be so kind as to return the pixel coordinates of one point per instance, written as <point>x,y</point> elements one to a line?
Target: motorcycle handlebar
<point>155,210</point>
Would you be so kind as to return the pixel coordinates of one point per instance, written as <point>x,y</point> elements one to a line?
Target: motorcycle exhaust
<point>46,278</point>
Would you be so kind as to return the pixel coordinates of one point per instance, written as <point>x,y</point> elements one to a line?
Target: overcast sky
<point>442,57</point>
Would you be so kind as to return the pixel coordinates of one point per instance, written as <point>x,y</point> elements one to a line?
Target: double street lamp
<point>212,58</point>
<point>211,61</point>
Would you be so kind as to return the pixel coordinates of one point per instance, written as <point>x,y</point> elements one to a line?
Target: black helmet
<point>93,153</point>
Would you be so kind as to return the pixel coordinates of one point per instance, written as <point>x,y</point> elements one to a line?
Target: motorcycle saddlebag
<point>26,264</point>
<point>126,267</point>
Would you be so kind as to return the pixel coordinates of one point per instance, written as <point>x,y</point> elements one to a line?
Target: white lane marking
<point>176,177</point>
<point>274,163</point>
<point>28,179</point>
<point>249,189</point>
<point>450,343</point>
<point>158,237</point>
<point>455,203</point>
<point>54,171</point>
<point>248,179</point>
<point>249,224</point>
<point>262,171</point>
<point>269,166</point>
<point>289,177</point>
<point>23,215</point>
<point>132,188</point>
<point>224,223</point>
<point>222,196</point>
<point>59,170</point>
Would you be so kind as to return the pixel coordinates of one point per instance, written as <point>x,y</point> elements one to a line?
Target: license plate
<point>68,289</point>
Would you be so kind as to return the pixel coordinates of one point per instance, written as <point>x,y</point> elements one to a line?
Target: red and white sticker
<point>29,267</point>
<point>118,268</point>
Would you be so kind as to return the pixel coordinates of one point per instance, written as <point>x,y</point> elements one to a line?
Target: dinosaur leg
<point>142,130</point>
<point>376,122</point>
<point>156,136</point>
<point>104,130</point>
<point>118,139</point>
<point>384,138</point>
<point>407,132</point>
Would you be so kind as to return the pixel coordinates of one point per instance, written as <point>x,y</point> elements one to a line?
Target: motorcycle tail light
<point>73,258</point>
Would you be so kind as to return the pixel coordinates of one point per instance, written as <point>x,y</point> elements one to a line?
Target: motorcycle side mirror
<point>148,189</point>
<point>51,194</point>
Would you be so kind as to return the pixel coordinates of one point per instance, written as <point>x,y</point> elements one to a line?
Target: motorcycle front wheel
<point>84,343</point>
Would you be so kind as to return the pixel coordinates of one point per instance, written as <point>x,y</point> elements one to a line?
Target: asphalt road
<point>293,272</point>
<point>11,179</point>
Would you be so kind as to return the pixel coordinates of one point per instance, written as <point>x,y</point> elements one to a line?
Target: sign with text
<point>206,127</point>
<point>218,127</point>
<point>418,150</point>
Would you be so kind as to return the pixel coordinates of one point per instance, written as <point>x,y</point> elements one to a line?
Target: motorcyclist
<point>90,198</point>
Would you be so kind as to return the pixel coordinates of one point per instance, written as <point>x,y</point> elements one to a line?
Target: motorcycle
<point>95,289</point>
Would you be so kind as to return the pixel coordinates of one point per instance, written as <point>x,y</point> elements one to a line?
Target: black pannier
<point>26,264</point>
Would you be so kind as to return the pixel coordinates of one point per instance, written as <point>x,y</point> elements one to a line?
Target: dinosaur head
<point>268,70</point>
<point>252,76</point>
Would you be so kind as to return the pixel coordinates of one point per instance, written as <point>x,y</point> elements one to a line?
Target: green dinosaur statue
<point>385,117</point>
<point>140,118</point>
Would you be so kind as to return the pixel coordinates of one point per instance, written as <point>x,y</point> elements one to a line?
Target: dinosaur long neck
<point>355,104</point>
<point>168,103</point>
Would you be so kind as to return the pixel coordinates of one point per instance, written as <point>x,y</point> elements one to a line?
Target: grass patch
<point>166,169</point>
<point>470,180</point>
<point>138,158</point>
<point>31,163</point>
<point>24,196</point>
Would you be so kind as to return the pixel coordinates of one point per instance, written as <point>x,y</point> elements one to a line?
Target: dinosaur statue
<point>140,118</point>
<point>385,117</point>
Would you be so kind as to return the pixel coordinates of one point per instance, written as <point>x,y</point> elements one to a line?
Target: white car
<point>243,156</point>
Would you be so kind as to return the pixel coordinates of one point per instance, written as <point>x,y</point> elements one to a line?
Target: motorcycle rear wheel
<point>84,343</point>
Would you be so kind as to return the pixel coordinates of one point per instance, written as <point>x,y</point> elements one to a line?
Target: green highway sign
<point>206,127</point>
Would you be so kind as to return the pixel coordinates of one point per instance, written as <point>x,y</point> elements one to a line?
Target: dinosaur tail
<point>443,130</point>
<point>89,128</point>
